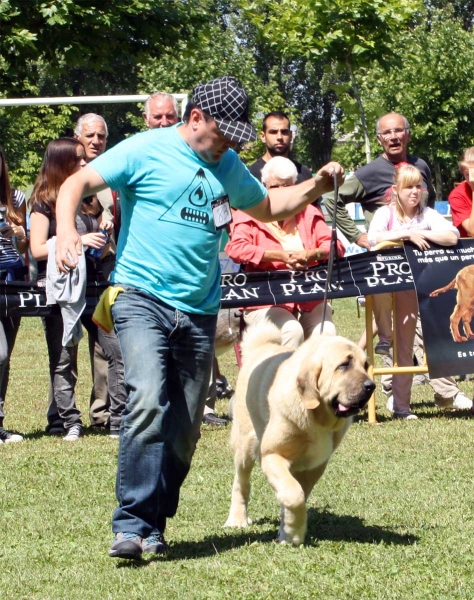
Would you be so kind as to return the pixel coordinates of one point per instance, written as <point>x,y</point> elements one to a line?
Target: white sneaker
<point>13,437</point>
<point>73,433</point>
<point>389,404</point>
<point>405,416</point>
<point>461,401</point>
<point>6,437</point>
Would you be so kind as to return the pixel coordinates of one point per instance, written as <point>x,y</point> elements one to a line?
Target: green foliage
<point>462,10</point>
<point>65,48</point>
<point>25,135</point>
<point>349,153</point>
<point>348,33</point>
<point>339,29</point>
<point>97,35</point>
<point>433,87</point>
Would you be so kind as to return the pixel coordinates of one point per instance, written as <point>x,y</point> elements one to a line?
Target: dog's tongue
<point>341,408</point>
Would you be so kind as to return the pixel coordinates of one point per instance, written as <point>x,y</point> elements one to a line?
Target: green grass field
<point>392,518</point>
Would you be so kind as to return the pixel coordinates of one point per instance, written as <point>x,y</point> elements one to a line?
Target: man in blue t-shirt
<point>176,186</point>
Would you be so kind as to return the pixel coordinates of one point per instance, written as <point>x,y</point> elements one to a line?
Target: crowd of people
<point>124,216</point>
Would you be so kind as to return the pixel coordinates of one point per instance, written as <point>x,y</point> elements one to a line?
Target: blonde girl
<point>407,219</point>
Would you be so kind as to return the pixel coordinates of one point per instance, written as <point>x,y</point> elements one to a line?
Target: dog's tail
<point>258,334</point>
<point>446,288</point>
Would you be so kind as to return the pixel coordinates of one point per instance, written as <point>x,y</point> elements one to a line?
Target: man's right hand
<point>324,178</point>
<point>363,241</point>
<point>68,248</point>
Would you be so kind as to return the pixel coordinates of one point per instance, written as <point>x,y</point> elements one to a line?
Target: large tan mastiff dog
<point>292,410</point>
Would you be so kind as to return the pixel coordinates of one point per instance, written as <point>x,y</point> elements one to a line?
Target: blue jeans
<point>8,331</point>
<point>168,357</point>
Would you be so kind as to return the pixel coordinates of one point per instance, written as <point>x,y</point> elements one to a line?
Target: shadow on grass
<point>38,434</point>
<point>423,410</point>
<point>449,415</point>
<point>88,432</point>
<point>205,548</point>
<point>322,526</point>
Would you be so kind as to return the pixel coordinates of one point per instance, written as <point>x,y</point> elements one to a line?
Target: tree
<point>463,10</point>
<point>433,87</point>
<point>97,35</point>
<point>352,34</point>
<point>225,48</point>
<point>65,48</point>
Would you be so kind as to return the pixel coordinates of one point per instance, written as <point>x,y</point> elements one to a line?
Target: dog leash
<point>332,254</point>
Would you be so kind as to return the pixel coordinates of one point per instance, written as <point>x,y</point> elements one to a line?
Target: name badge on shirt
<point>221,212</point>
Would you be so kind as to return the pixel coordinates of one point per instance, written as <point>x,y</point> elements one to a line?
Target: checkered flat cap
<point>227,102</point>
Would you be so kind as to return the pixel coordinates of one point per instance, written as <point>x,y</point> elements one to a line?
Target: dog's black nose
<point>369,385</point>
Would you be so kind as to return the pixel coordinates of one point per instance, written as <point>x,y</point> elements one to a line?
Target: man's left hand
<point>363,241</point>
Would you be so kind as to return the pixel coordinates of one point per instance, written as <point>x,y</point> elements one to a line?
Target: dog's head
<point>333,379</point>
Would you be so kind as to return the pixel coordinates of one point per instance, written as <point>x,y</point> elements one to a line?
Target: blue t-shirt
<point>168,245</point>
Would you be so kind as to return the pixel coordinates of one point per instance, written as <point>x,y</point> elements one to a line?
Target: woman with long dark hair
<point>64,157</point>
<point>13,243</point>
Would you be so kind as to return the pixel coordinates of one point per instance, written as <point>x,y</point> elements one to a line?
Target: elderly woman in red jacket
<point>297,243</point>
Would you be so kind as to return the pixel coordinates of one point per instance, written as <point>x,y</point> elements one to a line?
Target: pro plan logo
<point>193,207</point>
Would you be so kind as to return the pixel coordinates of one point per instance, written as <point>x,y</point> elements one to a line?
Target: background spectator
<point>13,242</point>
<point>297,243</point>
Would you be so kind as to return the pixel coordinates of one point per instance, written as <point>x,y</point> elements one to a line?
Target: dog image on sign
<point>464,309</point>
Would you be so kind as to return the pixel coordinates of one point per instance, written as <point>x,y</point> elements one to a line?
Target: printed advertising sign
<point>444,281</point>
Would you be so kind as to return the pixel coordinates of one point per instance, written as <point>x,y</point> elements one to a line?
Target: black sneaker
<point>155,543</point>
<point>6,437</point>
<point>223,388</point>
<point>126,545</point>
<point>55,429</point>
<point>212,419</point>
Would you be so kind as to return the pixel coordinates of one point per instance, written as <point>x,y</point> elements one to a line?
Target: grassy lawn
<point>391,518</point>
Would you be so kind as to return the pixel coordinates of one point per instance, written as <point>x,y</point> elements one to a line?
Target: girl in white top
<point>405,218</point>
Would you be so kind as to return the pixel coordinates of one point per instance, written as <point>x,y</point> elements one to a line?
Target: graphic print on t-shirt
<point>193,207</point>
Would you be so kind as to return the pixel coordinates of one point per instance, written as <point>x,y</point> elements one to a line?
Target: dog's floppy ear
<point>307,382</point>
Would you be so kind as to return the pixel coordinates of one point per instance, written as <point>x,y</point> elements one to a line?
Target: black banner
<point>359,275</point>
<point>444,281</point>
<point>19,298</point>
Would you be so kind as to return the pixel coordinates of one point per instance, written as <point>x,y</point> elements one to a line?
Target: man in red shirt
<point>460,198</point>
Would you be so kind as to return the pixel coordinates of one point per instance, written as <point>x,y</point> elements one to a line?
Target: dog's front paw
<point>290,535</point>
<point>294,539</point>
<point>238,521</point>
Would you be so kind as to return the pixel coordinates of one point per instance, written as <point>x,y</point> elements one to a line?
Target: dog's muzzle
<point>341,410</point>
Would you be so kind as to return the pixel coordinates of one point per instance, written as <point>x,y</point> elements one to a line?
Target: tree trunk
<point>327,129</point>
<point>438,182</point>
<point>355,89</point>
